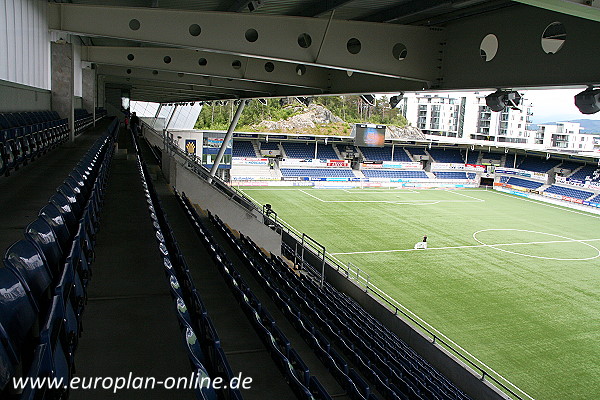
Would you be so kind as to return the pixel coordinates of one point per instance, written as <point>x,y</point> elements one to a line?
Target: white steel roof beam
<point>348,45</point>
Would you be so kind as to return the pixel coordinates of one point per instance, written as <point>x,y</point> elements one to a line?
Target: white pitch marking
<point>539,233</point>
<point>412,203</point>
<point>466,247</point>
<point>547,205</point>
<point>465,195</point>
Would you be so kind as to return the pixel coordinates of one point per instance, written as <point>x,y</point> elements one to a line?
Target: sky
<point>551,105</point>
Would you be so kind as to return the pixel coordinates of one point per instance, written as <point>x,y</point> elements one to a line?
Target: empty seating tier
<point>451,175</point>
<point>537,164</point>
<point>377,173</point>
<point>595,199</point>
<point>416,151</point>
<point>268,145</point>
<point>569,192</point>
<point>243,148</point>
<point>299,150</point>
<point>447,155</point>
<point>585,173</point>
<point>318,172</point>
<point>377,153</point>
<point>326,151</point>
<point>524,183</point>
<point>44,282</point>
<point>473,157</point>
<point>28,135</point>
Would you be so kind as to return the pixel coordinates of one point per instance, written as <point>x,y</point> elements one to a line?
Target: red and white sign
<point>338,163</point>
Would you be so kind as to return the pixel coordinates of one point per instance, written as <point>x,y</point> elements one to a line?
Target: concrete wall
<point>233,214</point>
<point>445,362</point>
<point>62,81</point>
<point>16,97</point>
<point>89,89</point>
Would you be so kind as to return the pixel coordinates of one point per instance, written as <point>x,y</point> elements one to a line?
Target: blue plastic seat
<point>8,360</point>
<point>40,232</point>
<point>28,262</point>
<point>64,206</point>
<point>53,335</point>
<point>18,311</point>
<point>38,369</point>
<point>51,214</point>
<point>71,196</point>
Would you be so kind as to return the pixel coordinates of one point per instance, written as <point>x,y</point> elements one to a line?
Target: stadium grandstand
<point>135,268</point>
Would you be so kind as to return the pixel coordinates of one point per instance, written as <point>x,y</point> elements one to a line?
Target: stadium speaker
<point>368,98</point>
<point>395,100</point>
<point>588,101</point>
<point>254,5</point>
<point>305,100</point>
<point>501,99</point>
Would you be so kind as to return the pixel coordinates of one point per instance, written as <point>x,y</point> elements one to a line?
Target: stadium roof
<point>181,50</point>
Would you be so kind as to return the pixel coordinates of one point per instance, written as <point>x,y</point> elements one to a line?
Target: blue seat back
<point>40,232</point>
<point>8,360</point>
<point>18,312</point>
<point>28,262</point>
<point>51,214</point>
<point>64,206</point>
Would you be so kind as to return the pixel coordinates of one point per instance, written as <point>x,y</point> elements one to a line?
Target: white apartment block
<point>566,136</point>
<point>466,116</point>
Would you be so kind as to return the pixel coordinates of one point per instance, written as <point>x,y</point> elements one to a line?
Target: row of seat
<point>205,354</point>
<point>349,379</point>
<point>295,371</point>
<point>389,364</point>
<point>27,135</point>
<point>44,280</point>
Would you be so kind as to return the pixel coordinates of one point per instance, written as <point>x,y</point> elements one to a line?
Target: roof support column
<point>63,82</point>
<point>226,140</point>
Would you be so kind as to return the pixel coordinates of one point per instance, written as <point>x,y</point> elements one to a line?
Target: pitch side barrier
<point>470,374</point>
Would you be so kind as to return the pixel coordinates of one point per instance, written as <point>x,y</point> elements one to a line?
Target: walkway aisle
<point>25,191</point>
<point>244,349</point>
<point>130,323</point>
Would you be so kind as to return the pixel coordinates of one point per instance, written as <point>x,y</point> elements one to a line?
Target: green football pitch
<point>513,281</point>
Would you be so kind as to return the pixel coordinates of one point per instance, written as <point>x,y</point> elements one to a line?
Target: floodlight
<point>263,102</point>
<point>501,99</point>
<point>588,101</point>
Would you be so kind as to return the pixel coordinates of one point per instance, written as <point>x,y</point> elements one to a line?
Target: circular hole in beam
<point>251,35</point>
<point>134,24</point>
<point>155,72</point>
<point>202,62</point>
<point>236,64</point>
<point>554,38</point>
<point>269,66</point>
<point>304,40</point>
<point>167,59</point>
<point>128,71</point>
<point>130,57</point>
<point>300,70</point>
<point>353,45</point>
<point>180,74</point>
<point>488,47</point>
<point>399,51</point>
<point>195,30</point>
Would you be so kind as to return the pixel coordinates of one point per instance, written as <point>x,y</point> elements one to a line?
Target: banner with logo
<point>190,146</point>
<point>250,161</point>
